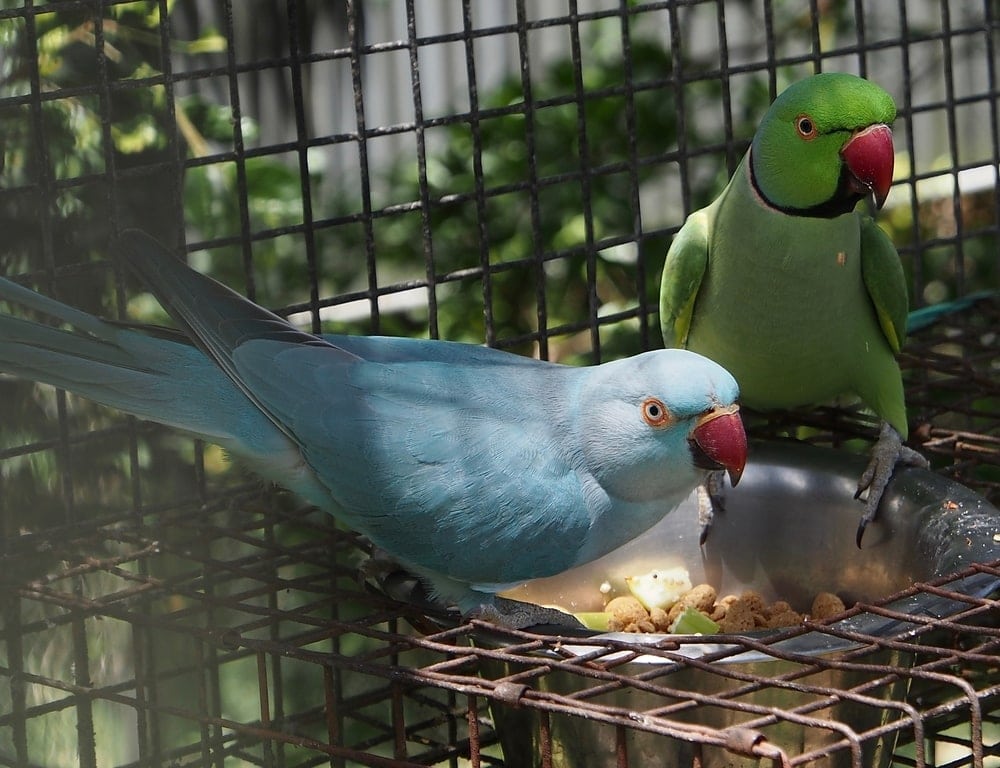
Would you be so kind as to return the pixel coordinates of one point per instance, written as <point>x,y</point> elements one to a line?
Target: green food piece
<point>597,620</point>
<point>693,622</point>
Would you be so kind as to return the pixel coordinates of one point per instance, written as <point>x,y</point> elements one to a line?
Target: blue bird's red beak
<point>869,158</point>
<point>719,441</point>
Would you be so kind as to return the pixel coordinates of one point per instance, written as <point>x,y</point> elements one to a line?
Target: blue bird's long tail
<point>139,372</point>
<point>925,317</point>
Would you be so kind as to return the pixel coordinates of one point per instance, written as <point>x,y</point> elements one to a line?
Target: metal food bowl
<point>788,531</point>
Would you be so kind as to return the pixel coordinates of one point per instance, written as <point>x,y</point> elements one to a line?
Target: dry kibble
<point>825,605</point>
<point>780,619</point>
<point>661,619</point>
<point>701,598</point>
<point>643,626</point>
<point>722,606</point>
<point>675,610</point>
<point>728,600</point>
<point>626,614</point>
<point>738,618</point>
<point>718,612</point>
<point>753,600</point>
<point>776,608</point>
<point>732,613</point>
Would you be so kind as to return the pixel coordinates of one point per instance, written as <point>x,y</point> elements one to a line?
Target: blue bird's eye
<point>654,412</point>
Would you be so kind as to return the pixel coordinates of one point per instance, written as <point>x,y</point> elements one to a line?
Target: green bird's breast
<point>783,304</point>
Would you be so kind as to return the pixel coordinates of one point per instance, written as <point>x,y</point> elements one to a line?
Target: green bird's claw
<point>887,453</point>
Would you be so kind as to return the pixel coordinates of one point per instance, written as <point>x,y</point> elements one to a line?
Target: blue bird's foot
<point>515,614</point>
<point>378,566</point>
<point>439,596</point>
<point>887,453</point>
<point>711,500</point>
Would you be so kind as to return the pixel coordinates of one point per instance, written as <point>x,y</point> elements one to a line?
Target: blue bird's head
<point>653,424</point>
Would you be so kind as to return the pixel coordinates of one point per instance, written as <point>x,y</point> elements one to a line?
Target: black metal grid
<point>140,603</point>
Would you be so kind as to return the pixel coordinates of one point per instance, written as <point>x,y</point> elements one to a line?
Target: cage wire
<point>508,173</point>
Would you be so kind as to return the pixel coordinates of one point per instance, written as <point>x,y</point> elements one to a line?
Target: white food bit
<point>605,587</point>
<point>660,588</point>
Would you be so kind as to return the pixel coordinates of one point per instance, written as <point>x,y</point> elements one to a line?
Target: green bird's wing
<point>685,266</point>
<point>882,272</point>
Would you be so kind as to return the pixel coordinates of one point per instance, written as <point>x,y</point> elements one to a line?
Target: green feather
<point>797,173</point>
<point>885,281</point>
<point>800,308</point>
<point>682,275</point>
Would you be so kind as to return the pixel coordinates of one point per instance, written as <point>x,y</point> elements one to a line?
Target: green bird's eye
<point>805,126</point>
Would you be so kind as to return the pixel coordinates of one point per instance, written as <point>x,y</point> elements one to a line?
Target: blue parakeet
<point>780,281</point>
<point>474,468</point>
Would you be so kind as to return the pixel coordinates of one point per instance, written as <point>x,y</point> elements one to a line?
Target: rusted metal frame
<point>615,715</point>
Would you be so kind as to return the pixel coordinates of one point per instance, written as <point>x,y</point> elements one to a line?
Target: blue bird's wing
<point>424,454</point>
<point>396,349</point>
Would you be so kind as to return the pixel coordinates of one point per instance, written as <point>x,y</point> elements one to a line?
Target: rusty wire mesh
<point>157,611</point>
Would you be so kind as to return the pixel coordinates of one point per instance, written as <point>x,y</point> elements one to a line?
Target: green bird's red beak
<point>718,441</point>
<point>869,157</point>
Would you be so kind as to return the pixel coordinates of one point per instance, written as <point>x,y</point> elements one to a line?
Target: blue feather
<point>473,467</point>
<point>925,317</point>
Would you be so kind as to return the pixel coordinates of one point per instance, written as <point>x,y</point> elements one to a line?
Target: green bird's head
<point>824,144</point>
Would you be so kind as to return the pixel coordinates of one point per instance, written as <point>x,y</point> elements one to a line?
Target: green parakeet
<point>783,283</point>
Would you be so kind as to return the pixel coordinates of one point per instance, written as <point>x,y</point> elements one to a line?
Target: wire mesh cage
<point>502,173</point>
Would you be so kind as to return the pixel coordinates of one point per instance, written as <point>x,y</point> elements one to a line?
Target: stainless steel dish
<point>788,531</point>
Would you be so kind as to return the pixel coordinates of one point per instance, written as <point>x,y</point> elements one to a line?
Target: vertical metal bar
<point>302,152</point>
<point>990,34</point>
<point>398,721</point>
<point>635,205</point>
<point>545,739</point>
<point>239,150</point>
<point>332,699</point>
<point>451,699</point>
<point>677,59</point>
<point>355,18</point>
<point>916,258</point>
<point>859,25</point>
<point>770,48</point>
<point>816,40</point>
<point>477,174</point>
<point>425,197</point>
<point>732,157</point>
<point>86,738</point>
<point>15,661</point>
<point>473,717</point>
<point>142,722</point>
<point>207,658</point>
<point>263,693</point>
<point>621,746</point>
<point>84,705</point>
<point>538,256</point>
<point>277,667</point>
<point>697,756</point>
<point>953,141</point>
<point>46,195</point>
<point>43,162</point>
<point>585,185</point>
<point>176,147</point>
